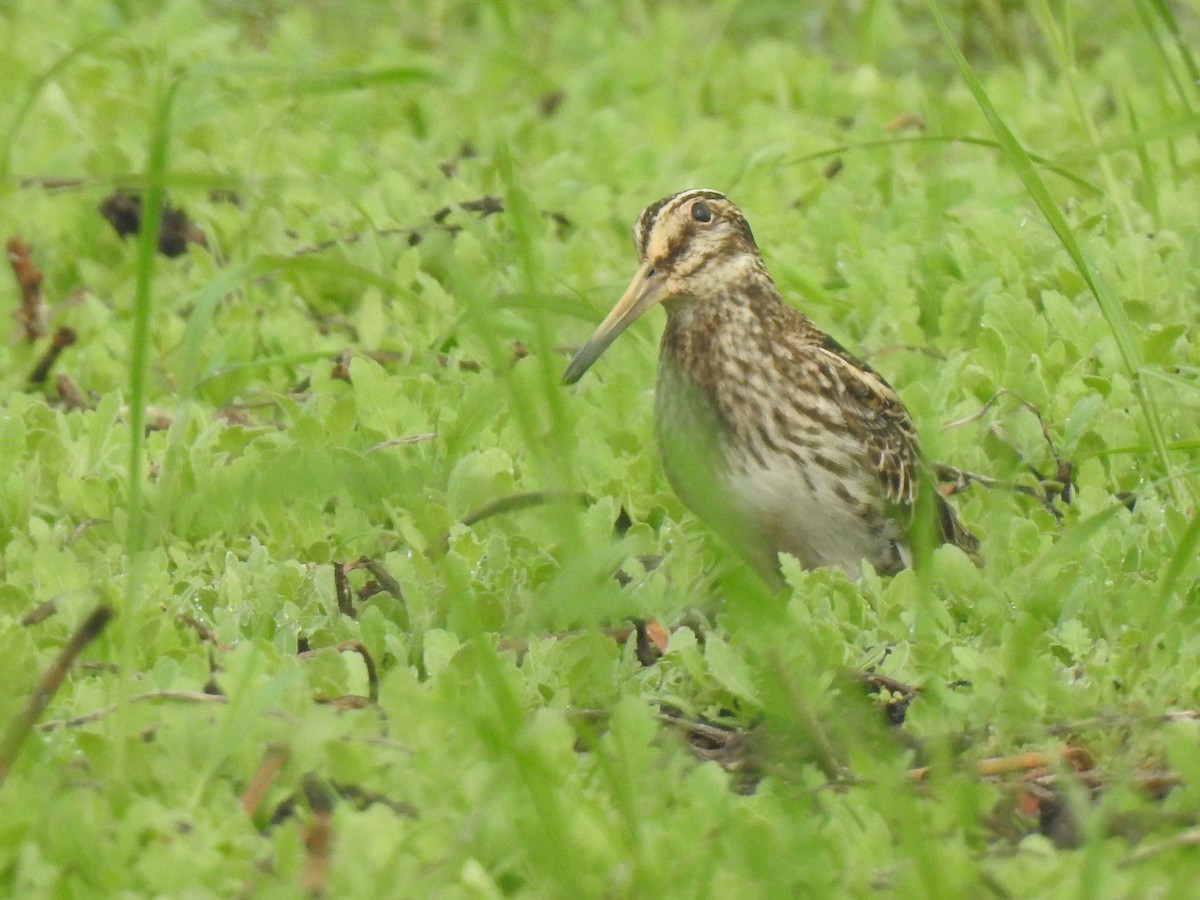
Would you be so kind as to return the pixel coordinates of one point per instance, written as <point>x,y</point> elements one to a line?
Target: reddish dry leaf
<point>657,635</point>
<point>341,366</point>
<point>32,314</point>
<point>318,838</point>
<point>1029,804</point>
<point>317,841</point>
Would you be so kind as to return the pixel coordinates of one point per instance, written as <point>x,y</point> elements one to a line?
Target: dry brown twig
<point>510,504</point>
<point>95,716</point>
<point>368,662</point>
<point>517,502</point>
<point>482,206</point>
<point>35,704</point>
<point>651,639</point>
<point>318,838</point>
<point>264,776</point>
<point>384,578</point>
<point>1189,838</point>
<point>341,588</point>
<point>877,682</point>
<point>403,442</point>
<point>63,338</point>
<point>53,182</point>
<point>39,613</point>
<point>1108,722</point>
<point>1060,486</point>
<point>960,479</point>
<point>32,315</point>
<point>69,394</point>
<point>1074,757</point>
<point>723,744</point>
<point>203,631</point>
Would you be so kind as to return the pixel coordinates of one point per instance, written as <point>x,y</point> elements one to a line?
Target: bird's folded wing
<point>876,416</point>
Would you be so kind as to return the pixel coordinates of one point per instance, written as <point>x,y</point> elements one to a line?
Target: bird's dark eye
<point>701,212</point>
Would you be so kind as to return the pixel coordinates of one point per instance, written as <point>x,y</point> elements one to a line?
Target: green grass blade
<point>1110,305</point>
<point>1061,38</point>
<point>263,364</point>
<point>274,80</point>
<point>1184,126</point>
<point>1184,555</point>
<point>154,198</point>
<point>1149,170</point>
<point>1147,10</point>
<point>1135,449</point>
<point>353,80</point>
<point>147,249</point>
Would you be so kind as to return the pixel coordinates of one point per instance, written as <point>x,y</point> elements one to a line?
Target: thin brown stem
<point>23,722</point>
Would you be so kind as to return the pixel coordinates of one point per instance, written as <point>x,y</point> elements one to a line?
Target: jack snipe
<point>770,431</point>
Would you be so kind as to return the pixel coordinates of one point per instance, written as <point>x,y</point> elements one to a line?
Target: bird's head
<point>691,245</point>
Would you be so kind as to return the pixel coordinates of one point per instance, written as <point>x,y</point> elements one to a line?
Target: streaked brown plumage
<point>770,431</point>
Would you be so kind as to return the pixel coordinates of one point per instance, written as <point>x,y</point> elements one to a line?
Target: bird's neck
<point>719,329</point>
<point>741,281</point>
<point>743,296</point>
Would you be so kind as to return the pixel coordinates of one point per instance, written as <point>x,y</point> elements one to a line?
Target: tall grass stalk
<point>153,198</point>
<point>1185,87</point>
<point>1062,40</point>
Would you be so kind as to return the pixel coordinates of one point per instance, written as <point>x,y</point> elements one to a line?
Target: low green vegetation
<point>360,542</point>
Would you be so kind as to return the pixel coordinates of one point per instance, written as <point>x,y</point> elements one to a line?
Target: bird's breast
<point>769,469</point>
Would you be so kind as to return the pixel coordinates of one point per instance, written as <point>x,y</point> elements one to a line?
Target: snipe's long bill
<point>770,431</point>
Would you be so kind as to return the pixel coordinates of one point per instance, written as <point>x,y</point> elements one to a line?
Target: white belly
<point>778,502</point>
<point>811,522</point>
